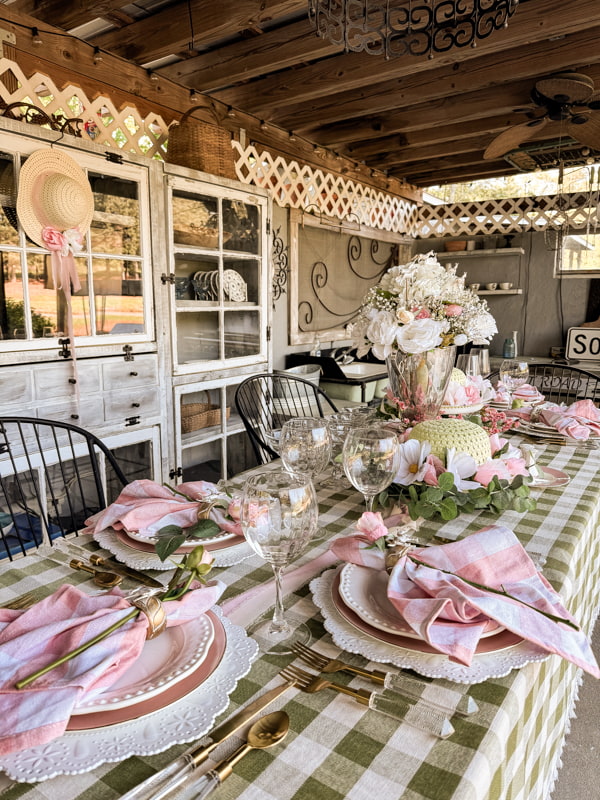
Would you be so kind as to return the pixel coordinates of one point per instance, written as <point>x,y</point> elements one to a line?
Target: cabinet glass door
<point>218,261</point>
<point>112,266</point>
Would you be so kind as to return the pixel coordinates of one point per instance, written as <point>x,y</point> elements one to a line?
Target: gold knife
<point>166,780</point>
<point>121,569</point>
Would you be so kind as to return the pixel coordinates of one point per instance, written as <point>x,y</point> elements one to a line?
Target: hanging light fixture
<point>395,28</point>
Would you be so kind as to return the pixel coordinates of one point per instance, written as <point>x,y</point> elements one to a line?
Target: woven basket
<point>201,144</point>
<point>195,416</point>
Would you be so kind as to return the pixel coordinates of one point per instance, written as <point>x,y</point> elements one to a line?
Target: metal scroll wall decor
<point>332,267</point>
<point>281,263</point>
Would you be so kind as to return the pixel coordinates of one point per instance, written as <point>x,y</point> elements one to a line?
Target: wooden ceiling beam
<point>486,72</point>
<point>168,31</point>
<point>438,134</point>
<point>457,175</point>
<point>444,111</point>
<point>67,15</point>
<point>475,145</point>
<point>533,22</point>
<point>281,48</point>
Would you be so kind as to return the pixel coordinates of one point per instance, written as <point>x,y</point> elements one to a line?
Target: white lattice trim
<point>299,186</point>
<point>512,215</point>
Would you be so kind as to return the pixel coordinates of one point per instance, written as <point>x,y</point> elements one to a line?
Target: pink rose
<point>516,466</point>
<point>496,443</point>
<point>453,310</point>
<point>423,313</point>
<point>433,469</point>
<point>495,467</point>
<point>55,240</point>
<point>371,525</point>
<point>234,508</point>
<point>472,395</point>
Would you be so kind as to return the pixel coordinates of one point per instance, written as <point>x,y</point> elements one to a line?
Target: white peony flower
<point>382,331</point>
<point>420,335</point>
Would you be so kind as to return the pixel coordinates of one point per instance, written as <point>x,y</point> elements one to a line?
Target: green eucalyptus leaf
<point>202,529</point>
<point>168,542</point>
<point>446,481</point>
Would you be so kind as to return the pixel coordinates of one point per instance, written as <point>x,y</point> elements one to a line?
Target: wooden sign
<point>583,344</point>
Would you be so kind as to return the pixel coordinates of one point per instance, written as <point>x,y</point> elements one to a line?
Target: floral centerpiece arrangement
<point>413,318</point>
<point>420,306</point>
<point>452,466</point>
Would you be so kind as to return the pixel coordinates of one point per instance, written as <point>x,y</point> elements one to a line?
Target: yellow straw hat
<point>53,191</point>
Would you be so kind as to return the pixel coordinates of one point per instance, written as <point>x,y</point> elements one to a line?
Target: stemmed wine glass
<point>305,445</point>
<point>371,458</point>
<point>514,372</point>
<point>279,516</point>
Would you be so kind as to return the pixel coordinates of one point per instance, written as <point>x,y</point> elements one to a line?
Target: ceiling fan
<point>566,97</point>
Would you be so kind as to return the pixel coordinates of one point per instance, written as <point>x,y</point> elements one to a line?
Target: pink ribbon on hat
<point>62,246</point>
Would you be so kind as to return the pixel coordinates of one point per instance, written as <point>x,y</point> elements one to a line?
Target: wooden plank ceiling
<point>423,121</point>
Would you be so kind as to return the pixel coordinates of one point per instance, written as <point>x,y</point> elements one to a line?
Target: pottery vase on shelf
<point>420,381</point>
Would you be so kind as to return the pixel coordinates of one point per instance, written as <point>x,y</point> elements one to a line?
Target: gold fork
<point>25,600</point>
<point>392,704</point>
<point>448,698</point>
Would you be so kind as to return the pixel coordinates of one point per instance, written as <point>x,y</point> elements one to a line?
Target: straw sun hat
<point>53,191</point>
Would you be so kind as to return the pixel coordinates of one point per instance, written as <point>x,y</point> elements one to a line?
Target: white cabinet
<point>218,287</point>
<point>173,304</point>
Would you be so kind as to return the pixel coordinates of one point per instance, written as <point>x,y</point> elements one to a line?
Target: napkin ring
<point>155,612</point>
<point>205,507</point>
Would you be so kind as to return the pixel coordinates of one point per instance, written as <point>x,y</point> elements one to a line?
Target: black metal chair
<point>560,383</point>
<point>53,476</point>
<point>266,401</point>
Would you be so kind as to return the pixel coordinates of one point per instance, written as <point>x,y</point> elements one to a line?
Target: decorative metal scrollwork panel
<point>332,267</point>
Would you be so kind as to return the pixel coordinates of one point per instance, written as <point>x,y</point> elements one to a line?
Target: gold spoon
<point>104,579</point>
<point>265,732</point>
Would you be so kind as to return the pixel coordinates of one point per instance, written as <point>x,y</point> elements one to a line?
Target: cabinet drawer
<point>16,386</point>
<point>88,414</point>
<point>140,402</point>
<point>57,380</point>
<point>143,371</point>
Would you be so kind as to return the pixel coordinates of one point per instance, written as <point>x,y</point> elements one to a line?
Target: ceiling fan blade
<point>588,132</point>
<point>513,137</point>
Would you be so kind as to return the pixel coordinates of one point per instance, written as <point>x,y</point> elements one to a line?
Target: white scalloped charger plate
<point>434,665</point>
<point>142,556</point>
<point>149,539</point>
<point>184,720</point>
<point>364,591</point>
<point>163,662</point>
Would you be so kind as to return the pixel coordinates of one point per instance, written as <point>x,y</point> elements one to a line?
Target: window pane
<point>12,320</point>
<point>8,197</point>
<point>581,253</point>
<point>197,336</point>
<point>195,220</point>
<point>115,226</point>
<point>241,226</point>
<point>118,300</point>
<point>241,333</point>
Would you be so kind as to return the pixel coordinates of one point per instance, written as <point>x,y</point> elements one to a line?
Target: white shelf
<point>501,251</point>
<point>499,291</point>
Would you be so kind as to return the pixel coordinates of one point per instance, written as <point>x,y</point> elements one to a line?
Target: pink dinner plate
<point>500,641</point>
<point>171,694</point>
<point>146,547</point>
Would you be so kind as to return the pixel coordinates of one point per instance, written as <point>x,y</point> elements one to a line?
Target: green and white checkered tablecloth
<point>338,749</point>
